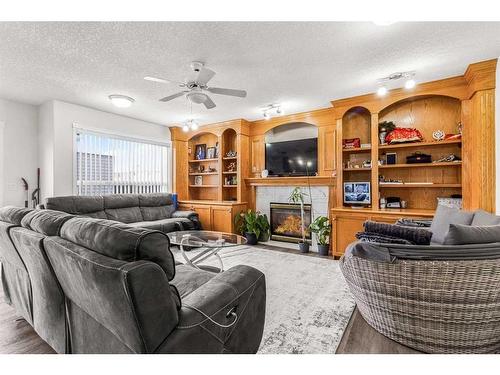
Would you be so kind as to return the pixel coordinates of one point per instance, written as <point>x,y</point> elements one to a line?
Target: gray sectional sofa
<point>91,285</point>
<point>150,211</point>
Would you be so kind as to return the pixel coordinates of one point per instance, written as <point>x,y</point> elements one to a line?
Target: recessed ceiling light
<point>382,90</point>
<point>121,101</point>
<point>409,84</point>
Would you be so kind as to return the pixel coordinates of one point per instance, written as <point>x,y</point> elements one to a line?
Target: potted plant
<point>264,228</point>
<point>248,225</point>
<point>297,197</point>
<point>321,226</point>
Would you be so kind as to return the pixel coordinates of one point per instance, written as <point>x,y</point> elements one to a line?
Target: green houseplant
<point>322,227</point>
<point>247,223</point>
<point>265,228</point>
<point>297,197</point>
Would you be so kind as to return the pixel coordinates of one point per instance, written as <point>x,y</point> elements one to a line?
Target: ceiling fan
<point>196,85</point>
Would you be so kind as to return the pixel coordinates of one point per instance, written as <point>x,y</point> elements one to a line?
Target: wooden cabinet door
<point>344,231</point>
<point>203,213</point>
<point>257,158</point>
<point>222,219</point>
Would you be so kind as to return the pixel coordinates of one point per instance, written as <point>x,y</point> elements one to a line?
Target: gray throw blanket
<point>396,234</point>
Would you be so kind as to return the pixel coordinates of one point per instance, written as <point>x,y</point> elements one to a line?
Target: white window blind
<point>106,164</point>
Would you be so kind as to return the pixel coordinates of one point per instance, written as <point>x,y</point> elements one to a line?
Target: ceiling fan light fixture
<point>194,125</point>
<point>185,128</point>
<point>121,101</point>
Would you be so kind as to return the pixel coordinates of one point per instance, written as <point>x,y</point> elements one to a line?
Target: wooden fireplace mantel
<point>291,181</point>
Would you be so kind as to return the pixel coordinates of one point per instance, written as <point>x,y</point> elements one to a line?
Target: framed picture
<point>211,153</point>
<point>198,180</point>
<point>200,152</point>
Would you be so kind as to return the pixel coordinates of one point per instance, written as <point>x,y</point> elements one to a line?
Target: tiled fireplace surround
<point>279,194</point>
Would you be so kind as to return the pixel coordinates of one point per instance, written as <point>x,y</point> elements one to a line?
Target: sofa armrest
<point>191,215</point>
<point>237,295</point>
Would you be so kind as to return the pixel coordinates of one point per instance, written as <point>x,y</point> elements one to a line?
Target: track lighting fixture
<point>409,82</point>
<point>268,110</point>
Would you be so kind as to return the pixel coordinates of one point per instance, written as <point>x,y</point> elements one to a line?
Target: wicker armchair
<point>445,306</point>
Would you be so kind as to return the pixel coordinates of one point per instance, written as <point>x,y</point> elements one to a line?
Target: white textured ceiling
<point>302,65</point>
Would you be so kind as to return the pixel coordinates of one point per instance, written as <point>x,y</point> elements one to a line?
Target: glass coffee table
<point>209,243</point>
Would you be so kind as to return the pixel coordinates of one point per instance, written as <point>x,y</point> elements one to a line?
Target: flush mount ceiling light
<point>190,125</point>
<point>409,81</point>
<point>121,101</point>
<point>270,109</point>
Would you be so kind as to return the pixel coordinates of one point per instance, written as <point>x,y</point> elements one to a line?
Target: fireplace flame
<point>291,226</point>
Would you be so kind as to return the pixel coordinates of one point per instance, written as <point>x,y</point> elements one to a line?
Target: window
<point>106,164</point>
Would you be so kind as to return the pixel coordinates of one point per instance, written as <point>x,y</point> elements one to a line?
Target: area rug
<point>308,303</point>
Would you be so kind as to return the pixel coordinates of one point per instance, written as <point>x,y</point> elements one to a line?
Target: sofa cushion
<point>482,217</point>
<point>121,241</point>
<point>121,201</point>
<point>156,206</point>
<point>467,234</point>
<point>46,222</point>
<point>445,216</point>
<point>13,215</point>
<point>124,215</point>
<point>165,225</point>
<point>78,205</point>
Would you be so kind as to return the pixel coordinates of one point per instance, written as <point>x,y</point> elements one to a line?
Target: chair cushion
<point>467,234</point>
<point>445,216</point>
<point>78,205</point>
<point>187,279</point>
<point>482,217</point>
<point>47,222</point>
<point>13,215</point>
<point>121,241</point>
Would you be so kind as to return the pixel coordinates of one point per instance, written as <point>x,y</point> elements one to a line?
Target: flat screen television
<point>292,158</point>
<point>357,193</point>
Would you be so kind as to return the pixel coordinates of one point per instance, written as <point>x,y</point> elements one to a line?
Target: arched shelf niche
<point>426,113</point>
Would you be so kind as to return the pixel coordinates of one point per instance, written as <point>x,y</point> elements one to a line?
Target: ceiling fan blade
<point>209,104</point>
<point>167,98</point>
<point>204,76</point>
<point>230,92</point>
<point>163,80</point>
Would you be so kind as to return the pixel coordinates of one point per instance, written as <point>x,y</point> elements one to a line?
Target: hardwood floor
<point>360,338</point>
<point>17,336</point>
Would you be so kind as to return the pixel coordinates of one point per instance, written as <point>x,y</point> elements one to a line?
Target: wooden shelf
<point>235,172</point>
<point>203,186</point>
<point>420,144</point>
<point>417,185</point>
<point>294,181</point>
<point>203,160</point>
<point>230,186</point>
<point>419,165</point>
<point>230,158</point>
<point>418,212</point>
<point>357,149</point>
<point>356,169</point>
<point>204,174</point>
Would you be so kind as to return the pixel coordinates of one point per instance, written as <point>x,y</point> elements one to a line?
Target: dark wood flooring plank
<point>17,336</point>
<point>361,338</point>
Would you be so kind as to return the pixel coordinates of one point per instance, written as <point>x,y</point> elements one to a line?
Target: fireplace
<point>286,222</point>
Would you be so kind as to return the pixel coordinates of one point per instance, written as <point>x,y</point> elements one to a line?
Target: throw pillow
<point>467,234</point>
<point>445,216</point>
<point>482,217</point>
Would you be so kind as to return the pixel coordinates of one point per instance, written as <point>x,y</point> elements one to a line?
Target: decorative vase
<point>304,247</point>
<point>251,238</point>
<point>323,249</point>
<point>382,135</point>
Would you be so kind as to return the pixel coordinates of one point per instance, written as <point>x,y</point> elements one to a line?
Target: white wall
<point>56,122</point>
<point>18,150</point>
